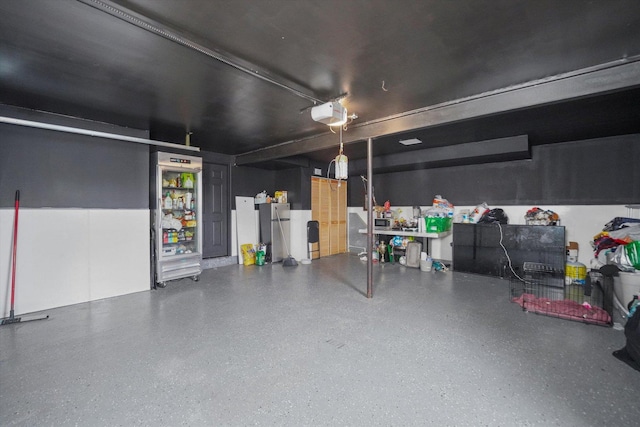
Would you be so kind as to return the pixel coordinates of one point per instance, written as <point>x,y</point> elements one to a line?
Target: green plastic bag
<point>633,253</point>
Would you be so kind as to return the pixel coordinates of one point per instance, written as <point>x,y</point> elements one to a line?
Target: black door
<point>215,215</point>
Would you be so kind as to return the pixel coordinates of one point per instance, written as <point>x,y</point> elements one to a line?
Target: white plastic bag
<point>477,213</point>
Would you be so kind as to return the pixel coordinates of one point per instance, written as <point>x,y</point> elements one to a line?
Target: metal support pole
<point>370,218</point>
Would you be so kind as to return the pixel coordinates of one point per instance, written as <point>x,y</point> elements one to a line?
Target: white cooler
<point>626,285</point>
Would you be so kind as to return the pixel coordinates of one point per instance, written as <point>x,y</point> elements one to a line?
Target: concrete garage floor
<point>303,346</point>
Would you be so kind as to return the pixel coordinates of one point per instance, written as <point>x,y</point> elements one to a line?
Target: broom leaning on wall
<point>12,319</point>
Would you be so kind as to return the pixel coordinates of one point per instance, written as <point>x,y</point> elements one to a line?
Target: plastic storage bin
<point>437,224</point>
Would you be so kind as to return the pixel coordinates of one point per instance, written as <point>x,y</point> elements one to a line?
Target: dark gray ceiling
<point>448,72</point>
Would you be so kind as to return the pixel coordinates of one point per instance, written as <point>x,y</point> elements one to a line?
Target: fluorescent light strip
<point>79,131</point>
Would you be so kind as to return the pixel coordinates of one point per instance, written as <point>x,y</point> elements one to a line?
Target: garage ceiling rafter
<point>162,30</point>
<point>582,83</point>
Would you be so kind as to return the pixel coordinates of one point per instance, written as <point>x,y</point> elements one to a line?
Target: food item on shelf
<point>169,222</point>
<point>187,179</point>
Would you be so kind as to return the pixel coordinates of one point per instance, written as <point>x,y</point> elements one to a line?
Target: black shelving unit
<point>476,248</point>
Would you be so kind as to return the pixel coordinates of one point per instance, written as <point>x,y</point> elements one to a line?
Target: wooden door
<point>329,208</point>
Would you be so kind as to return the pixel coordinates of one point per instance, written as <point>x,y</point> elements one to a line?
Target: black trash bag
<point>630,354</point>
<point>494,215</point>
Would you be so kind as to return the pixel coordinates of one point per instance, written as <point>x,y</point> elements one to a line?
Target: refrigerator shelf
<point>173,230</point>
<point>176,243</point>
<point>172,252</point>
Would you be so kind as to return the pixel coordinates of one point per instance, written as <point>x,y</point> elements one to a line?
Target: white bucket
<point>426,264</point>
<point>626,285</point>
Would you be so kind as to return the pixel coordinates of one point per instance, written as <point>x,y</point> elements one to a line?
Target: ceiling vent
<point>412,141</point>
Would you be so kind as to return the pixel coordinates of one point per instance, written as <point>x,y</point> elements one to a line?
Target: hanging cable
<point>508,257</point>
<point>328,178</point>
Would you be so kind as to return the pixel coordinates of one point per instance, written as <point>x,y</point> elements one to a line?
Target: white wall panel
<point>119,245</point>
<point>68,256</point>
<point>298,246</point>
<point>246,225</point>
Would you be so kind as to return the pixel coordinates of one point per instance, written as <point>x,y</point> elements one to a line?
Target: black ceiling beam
<point>583,83</point>
<point>492,150</point>
<point>295,161</point>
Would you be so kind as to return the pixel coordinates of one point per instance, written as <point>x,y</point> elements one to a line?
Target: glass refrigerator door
<point>179,209</point>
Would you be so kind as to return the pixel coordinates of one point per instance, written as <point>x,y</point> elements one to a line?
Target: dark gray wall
<point>291,181</point>
<point>597,171</point>
<point>62,170</point>
<point>247,182</point>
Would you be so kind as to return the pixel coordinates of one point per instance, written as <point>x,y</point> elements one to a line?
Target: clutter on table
<point>477,213</point>
<point>617,246</point>
<point>537,216</point>
<point>493,216</point>
<point>482,214</point>
<point>279,196</point>
<point>439,217</point>
<point>260,198</point>
<point>618,243</point>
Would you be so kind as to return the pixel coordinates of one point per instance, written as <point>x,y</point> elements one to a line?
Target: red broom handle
<point>15,248</point>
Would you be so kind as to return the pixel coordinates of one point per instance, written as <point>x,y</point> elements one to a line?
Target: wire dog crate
<point>541,289</point>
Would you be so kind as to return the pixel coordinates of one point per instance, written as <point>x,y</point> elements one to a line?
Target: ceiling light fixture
<point>412,141</point>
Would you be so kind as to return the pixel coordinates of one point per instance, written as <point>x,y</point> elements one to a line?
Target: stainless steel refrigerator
<point>270,233</point>
<point>176,214</point>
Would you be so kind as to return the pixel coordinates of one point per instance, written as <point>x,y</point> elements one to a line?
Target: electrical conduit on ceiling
<point>98,134</point>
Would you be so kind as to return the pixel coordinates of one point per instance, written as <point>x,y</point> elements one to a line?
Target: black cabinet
<point>477,249</point>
